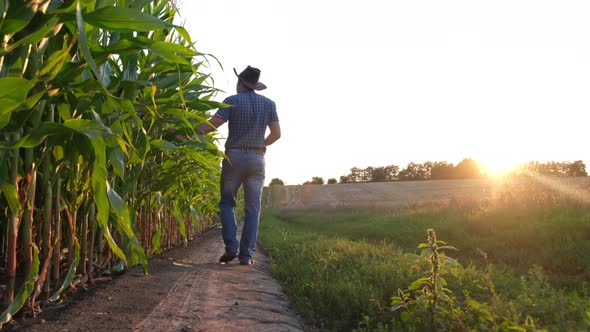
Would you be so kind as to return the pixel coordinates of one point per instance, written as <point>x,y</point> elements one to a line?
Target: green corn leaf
<point>4,120</point>
<point>18,15</point>
<point>2,8</point>
<point>54,63</point>
<point>83,43</point>
<point>130,252</point>
<point>124,20</point>
<point>117,159</point>
<point>133,45</point>
<point>71,273</point>
<point>124,223</point>
<point>64,111</point>
<point>172,81</point>
<point>156,239</point>
<point>95,130</point>
<point>139,3</point>
<point>180,221</point>
<point>68,73</point>
<point>170,57</point>
<point>38,135</point>
<point>121,47</point>
<point>55,4</point>
<point>3,169</point>
<point>162,145</point>
<point>126,106</point>
<point>32,101</point>
<point>120,208</point>
<point>179,112</point>
<point>11,195</point>
<point>184,34</point>
<point>13,93</point>
<point>99,189</point>
<point>92,129</point>
<point>35,37</point>
<point>57,8</point>
<point>27,290</point>
<point>195,214</point>
<point>169,164</point>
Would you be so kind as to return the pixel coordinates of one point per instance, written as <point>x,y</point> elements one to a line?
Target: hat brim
<point>258,86</point>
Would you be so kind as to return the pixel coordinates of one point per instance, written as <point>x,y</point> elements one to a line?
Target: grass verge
<point>343,268</point>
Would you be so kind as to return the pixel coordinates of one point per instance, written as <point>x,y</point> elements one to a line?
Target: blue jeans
<point>243,168</point>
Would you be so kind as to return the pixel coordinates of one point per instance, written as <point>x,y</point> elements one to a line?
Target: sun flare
<point>498,166</point>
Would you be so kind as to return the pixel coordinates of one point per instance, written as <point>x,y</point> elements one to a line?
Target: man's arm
<point>275,133</point>
<point>214,123</point>
<point>204,128</point>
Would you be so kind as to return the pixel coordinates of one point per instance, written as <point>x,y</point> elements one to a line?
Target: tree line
<point>442,170</point>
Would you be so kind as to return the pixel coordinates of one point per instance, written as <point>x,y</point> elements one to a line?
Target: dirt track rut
<point>186,290</point>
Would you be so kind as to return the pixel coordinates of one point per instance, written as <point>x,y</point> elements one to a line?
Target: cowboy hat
<point>250,77</point>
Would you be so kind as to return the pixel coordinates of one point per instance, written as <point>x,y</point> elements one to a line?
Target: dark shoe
<point>248,262</point>
<point>227,257</point>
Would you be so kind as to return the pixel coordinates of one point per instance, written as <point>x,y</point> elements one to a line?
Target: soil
<point>186,290</point>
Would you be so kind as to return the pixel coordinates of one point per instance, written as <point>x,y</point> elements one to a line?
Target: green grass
<point>342,267</point>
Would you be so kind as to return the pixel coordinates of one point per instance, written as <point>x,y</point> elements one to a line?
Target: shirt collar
<point>246,90</point>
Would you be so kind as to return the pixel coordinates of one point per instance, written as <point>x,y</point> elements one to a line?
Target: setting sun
<point>498,166</point>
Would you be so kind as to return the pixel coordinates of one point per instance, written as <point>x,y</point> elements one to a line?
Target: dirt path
<point>186,290</point>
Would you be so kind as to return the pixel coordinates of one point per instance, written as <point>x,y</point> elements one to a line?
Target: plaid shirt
<point>248,116</point>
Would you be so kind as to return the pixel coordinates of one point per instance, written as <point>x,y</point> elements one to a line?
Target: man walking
<point>248,116</point>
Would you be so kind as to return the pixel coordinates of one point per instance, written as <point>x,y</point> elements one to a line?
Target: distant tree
<point>467,169</point>
<point>317,180</point>
<point>378,174</point>
<point>359,174</point>
<point>276,182</point>
<point>352,175</point>
<point>534,167</point>
<point>442,170</point>
<point>414,172</point>
<point>577,168</point>
<point>406,174</point>
<point>553,168</point>
<point>371,174</point>
<point>391,172</point>
<point>332,181</point>
<point>366,174</point>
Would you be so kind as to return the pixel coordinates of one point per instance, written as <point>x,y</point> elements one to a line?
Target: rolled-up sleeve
<point>225,113</point>
<point>274,117</point>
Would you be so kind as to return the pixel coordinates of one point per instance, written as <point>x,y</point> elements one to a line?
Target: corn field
<point>94,95</point>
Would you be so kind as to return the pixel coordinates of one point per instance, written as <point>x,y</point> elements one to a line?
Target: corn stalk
<point>93,95</point>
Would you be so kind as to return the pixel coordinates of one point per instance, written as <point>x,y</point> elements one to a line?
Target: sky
<point>376,83</point>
